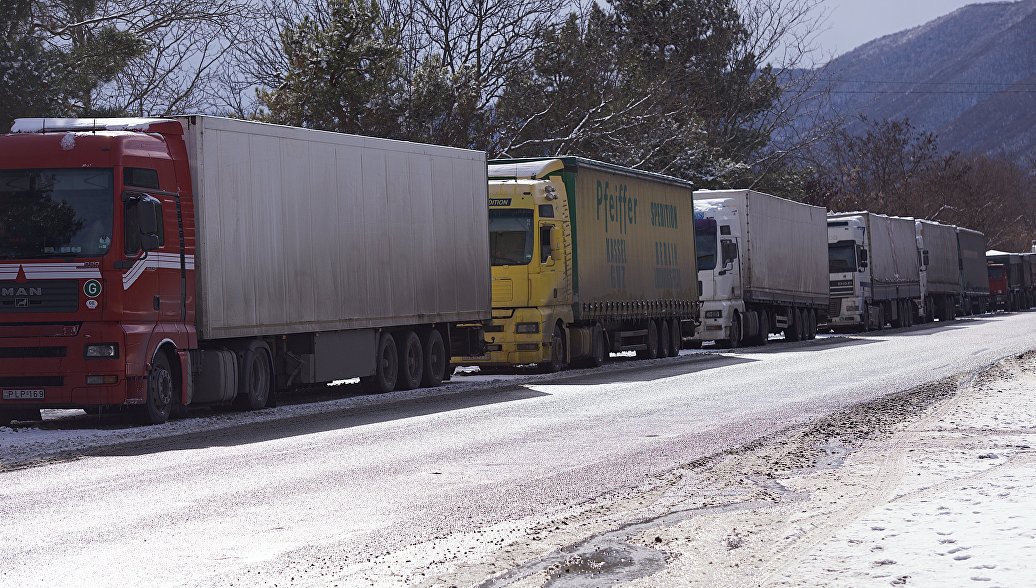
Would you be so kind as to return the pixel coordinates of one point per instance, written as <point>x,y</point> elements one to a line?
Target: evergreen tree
<point>343,72</point>
<point>31,81</point>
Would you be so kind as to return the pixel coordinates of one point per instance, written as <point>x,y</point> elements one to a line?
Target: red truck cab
<point>96,266</point>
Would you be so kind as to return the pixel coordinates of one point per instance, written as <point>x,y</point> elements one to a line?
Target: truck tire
<point>736,334</point>
<point>764,328</point>
<point>386,368</point>
<point>255,378</point>
<point>811,324</point>
<point>434,359</point>
<point>663,338</point>
<point>558,361</point>
<point>598,349</point>
<point>675,337</point>
<point>793,332</point>
<point>160,392</point>
<point>411,361</point>
<point>651,340</point>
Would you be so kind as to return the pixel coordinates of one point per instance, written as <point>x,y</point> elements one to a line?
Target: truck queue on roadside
<point>153,264</point>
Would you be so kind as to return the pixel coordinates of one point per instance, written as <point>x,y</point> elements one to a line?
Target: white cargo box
<point>301,230</point>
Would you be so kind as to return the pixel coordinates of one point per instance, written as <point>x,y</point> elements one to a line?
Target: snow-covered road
<point>456,486</point>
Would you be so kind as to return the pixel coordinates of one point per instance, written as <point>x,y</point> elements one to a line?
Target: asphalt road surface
<point>437,490</point>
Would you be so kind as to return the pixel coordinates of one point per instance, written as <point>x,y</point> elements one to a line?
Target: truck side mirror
<point>143,222</point>
<point>863,257</point>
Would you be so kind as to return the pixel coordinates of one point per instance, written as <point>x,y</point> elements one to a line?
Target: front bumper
<point>51,371</point>
<point>507,348</point>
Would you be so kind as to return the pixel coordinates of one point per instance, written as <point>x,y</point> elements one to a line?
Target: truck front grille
<point>39,296</point>
<point>31,381</point>
<point>835,307</point>
<point>32,352</point>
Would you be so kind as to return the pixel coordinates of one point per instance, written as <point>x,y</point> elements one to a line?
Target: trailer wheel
<point>386,369</point>
<point>793,332</point>
<point>160,392</point>
<point>663,338</point>
<point>764,328</point>
<point>675,338</point>
<point>411,361</point>
<point>434,359</point>
<point>811,324</point>
<point>651,340</point>
<point>255,378</point>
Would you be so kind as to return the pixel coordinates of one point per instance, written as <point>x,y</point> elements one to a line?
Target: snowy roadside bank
<point>944,498</point>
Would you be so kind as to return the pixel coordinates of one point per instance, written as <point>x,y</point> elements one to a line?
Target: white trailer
<point>762,264</point>
<point>940,268</point>
<point>333,249</point>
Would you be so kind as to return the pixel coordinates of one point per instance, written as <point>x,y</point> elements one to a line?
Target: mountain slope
<point>969,76</point>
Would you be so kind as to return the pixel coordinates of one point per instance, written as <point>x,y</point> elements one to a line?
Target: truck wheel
<point>255,378</point>
<point>736,334</point>
<point>764,328</point>
<point>434,359</point>
<point>651,339</point>
<point>675,338</point>
<point>557,352</point>
<point>794,329</point>
<point>160,392</point>
<point>411,361</point>
<point>598,348</point>
<point>811,325</point>
<point>663,338</point>
<point>386,369</point>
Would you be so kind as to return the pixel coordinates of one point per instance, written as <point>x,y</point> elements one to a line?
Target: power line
<point>927,83</point>
<point>963,92</point>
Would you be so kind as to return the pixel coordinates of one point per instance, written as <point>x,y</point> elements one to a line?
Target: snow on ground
<point>946,497</point>
<point>962,506</point>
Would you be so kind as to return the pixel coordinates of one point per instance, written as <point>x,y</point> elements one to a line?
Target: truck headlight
<point>103,350</point>
<point>527,328</point>
<point>713,314</point>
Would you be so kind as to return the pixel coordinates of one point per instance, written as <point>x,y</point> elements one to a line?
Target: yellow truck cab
<point>587,258</point>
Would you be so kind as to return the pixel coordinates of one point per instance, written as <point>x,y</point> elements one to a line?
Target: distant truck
<point>588,258</point>
<point>940,270</point>
<point>974,278</point>
<point>160,263</point>
<point>874,271</point>
<point>763,266</point>
<point>1006,280</point>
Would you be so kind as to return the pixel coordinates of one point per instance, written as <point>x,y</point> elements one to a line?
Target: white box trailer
<point>301,230</point>
<point>762,263</point>
<point>875,271</point>
<point>974,274</point>
<point>940,268</point>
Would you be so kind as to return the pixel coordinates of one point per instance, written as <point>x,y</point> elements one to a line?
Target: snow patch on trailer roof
<point>42,125</point>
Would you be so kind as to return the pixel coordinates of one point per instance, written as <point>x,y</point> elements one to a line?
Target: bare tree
<point>172,50</point>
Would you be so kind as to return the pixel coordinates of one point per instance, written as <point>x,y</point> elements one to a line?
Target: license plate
<point>23,395</point>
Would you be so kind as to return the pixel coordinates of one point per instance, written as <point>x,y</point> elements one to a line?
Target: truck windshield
<point>510,237</point>
<point>56,213</point>
<point>842,257</point>
<point>997,272</point>
<point>705,243</point>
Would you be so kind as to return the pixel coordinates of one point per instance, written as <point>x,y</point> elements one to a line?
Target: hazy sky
<point>852,23</point>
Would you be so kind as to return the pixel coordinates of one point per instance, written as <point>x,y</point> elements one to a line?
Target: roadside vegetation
<point>715,91</point>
